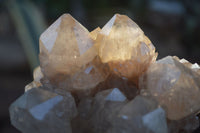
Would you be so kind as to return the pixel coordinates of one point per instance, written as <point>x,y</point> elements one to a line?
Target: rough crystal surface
<point>175,87</point>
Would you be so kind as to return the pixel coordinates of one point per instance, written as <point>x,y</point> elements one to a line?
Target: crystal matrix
<point>106,81</point>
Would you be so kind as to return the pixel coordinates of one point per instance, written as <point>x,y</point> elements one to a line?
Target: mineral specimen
<point>106,81</point>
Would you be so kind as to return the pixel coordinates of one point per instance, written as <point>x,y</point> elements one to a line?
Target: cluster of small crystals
<point>107,81</point>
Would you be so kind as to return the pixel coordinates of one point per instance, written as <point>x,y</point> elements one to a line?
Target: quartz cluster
<point>107,81</point>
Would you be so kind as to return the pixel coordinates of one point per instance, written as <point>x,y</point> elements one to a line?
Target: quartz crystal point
<point>68,58</point>
<point>123,45</point>
<point>175,86</point>
<point>41,111</point>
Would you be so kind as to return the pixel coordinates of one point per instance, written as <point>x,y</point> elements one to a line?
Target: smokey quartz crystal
<point>40,111</point>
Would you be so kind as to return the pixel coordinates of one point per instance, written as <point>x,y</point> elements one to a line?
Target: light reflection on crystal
<point>49,39</point>
<point>42,109</point>
<point>87,70</point>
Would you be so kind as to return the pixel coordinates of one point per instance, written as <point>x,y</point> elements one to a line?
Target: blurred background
<point>172,25</point>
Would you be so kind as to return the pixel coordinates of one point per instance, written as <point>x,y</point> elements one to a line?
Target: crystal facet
<point>156,121</point>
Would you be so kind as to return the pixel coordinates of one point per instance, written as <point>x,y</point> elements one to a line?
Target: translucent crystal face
<point>119,36</point>
<point>156,121</point>
<point>123,45</point>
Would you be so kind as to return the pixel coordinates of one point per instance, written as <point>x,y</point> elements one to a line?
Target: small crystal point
<point>123,45</point>
<point>114,81</point>
<point>37,76</point>
<point>156,121</point>
<point>116,95</point>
